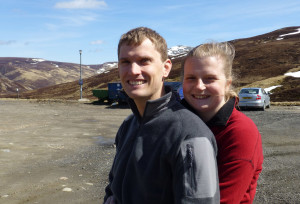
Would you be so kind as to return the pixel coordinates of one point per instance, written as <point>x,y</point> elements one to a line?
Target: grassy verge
<point>286,103</point>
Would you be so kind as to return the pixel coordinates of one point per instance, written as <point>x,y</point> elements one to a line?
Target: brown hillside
<point>265,57</point>
<point>260,61</point>
<point>30,73</point>
<point>71,90</point>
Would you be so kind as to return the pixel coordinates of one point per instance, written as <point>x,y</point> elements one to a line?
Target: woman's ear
<point>228,84</point>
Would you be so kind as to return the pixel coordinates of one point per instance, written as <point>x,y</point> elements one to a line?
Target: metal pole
<point>18,92</point>
<point>80,80</point>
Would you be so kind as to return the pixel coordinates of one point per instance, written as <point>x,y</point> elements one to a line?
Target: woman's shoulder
<point>240,120</point>
<point>242,128</point>
<point>240,135</point>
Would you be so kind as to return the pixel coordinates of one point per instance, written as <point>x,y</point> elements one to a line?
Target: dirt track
<point>53,152</point>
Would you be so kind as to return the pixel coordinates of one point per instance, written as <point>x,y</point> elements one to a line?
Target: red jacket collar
<point>222,116</point>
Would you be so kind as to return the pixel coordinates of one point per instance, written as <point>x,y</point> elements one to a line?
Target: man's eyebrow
<point>146,57</point>
<point>189,74</point>
<point>123,58</point>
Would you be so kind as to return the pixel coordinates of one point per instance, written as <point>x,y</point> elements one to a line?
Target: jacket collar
<point>222,116</point>
<point>154,107</point>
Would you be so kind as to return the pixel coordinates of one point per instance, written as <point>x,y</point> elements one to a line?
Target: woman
<point>207,79</point>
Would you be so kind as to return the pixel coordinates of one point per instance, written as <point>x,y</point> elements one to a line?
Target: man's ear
<point>167,68</point>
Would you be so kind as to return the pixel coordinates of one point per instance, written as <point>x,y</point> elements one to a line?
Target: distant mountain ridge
<point>260,61</point>
<point>173,52</point>
<point>34,73</point>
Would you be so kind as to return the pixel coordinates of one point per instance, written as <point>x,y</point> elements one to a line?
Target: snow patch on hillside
<point>100,71</point>
<point>178,51</point>
<point>173,52</point>
<point>269,89</point>
<point>293,33</point>
<point>106,67</point>
<point>293,74</point>
<point>38,60</point>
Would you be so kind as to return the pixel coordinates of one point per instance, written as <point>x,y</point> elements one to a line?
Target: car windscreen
<point>249,91</point>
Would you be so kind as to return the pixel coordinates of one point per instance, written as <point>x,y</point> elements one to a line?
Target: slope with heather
<point>260,61</point>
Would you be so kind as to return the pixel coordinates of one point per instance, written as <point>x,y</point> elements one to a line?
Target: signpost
<point>80,79</point>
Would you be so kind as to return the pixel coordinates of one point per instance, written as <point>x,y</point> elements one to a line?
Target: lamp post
<point>17,92</point>
<point>80,79</point>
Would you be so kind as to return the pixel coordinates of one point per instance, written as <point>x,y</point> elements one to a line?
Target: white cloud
<point>96,42</point>
<point>79,19</point>
<point>95,50</point>
<point>9,42</point>
<point>81,4</point>
<point>184,6</point>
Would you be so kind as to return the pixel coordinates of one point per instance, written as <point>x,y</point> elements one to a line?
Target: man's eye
<point>145,60</point>
<point>190,78</point>
<point>124,62</point>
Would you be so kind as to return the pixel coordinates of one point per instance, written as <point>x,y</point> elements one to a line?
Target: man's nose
<point>135,68</point>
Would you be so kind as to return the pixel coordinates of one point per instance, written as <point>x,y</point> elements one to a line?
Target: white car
<point>254,98</point>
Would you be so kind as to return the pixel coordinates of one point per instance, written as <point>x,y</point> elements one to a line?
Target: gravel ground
<point>280,179</point>
<point>54,152</point>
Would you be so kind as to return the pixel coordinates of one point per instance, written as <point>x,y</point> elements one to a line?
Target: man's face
<point>142,71</point>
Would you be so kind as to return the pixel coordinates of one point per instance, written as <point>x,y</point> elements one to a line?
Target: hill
<point>263,60</point>
<point>260,61</point>
<point>30,73</point>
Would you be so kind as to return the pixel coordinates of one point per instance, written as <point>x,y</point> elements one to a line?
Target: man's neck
<point>141,103</point>
<point>140,106</point>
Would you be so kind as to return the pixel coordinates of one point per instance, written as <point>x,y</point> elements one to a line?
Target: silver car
<point>254,98</point>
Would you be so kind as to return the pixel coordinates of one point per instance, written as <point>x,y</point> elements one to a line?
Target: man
<point>165,154</point>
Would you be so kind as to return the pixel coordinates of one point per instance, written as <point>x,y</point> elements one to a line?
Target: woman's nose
<point>200,85</point>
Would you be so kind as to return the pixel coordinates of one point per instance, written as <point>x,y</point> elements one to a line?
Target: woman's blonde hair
<point>225,51</point>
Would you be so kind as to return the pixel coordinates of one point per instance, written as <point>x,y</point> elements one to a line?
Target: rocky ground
<point>280,179</point>
<point>61,152</point>
<point>53,152</point>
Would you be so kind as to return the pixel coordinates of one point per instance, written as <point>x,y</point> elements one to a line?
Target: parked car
<point>254,98</point>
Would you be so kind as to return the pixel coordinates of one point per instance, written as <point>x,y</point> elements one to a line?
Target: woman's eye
<point>210,78</point>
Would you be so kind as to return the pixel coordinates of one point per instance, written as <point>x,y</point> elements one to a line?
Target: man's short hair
<point>136,36</point>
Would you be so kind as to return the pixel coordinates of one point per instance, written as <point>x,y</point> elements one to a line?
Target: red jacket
<point>240,154</point>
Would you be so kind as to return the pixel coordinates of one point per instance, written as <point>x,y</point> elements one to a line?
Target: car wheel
<point>264,106</point>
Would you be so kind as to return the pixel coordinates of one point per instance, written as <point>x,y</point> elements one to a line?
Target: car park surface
<point>61,152</point>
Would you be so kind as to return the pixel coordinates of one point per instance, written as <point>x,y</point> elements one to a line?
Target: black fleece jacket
<point>166,156</point>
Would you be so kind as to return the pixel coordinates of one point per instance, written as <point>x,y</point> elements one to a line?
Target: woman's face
<point>205,85</point>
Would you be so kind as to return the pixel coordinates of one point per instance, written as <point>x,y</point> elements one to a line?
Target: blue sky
<point>57,29</point>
